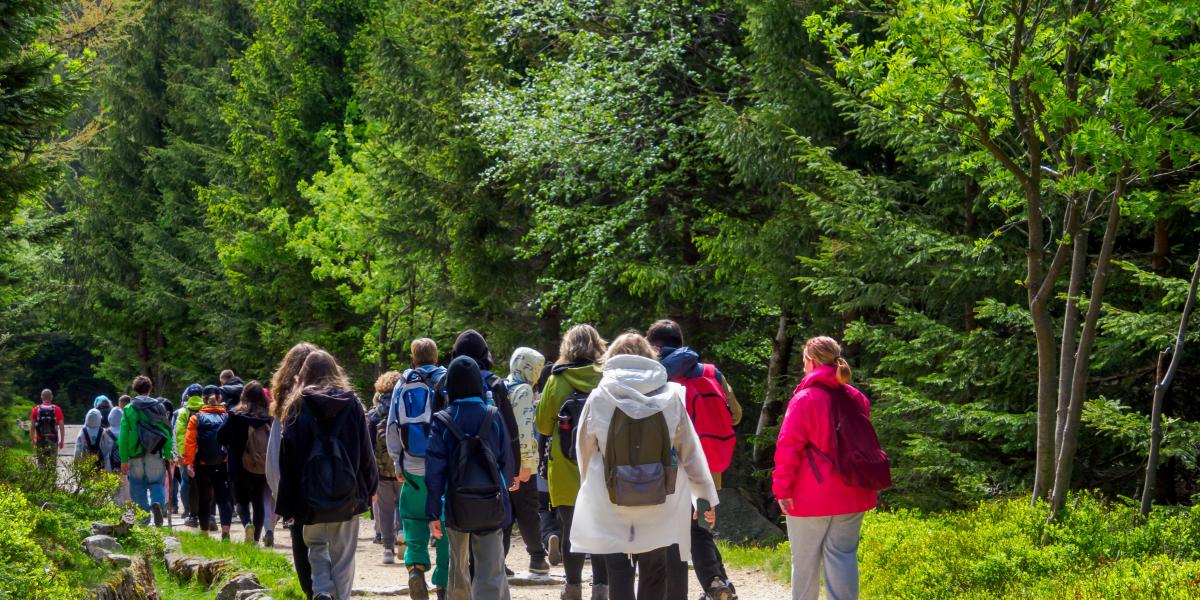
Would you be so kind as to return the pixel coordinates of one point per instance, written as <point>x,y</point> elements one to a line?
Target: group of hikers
<point>614,453</point>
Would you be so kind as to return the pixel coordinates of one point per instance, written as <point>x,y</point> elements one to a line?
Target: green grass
<point>1097,549</point>
<point>170,588</point>
<point>273,569</point>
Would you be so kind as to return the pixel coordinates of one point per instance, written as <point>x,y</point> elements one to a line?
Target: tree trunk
<point>1162,247</point>
<point>773,405</point>
<point>1070,438</point>
<point>1164,379</point>
<point>385,342</point>
<point>143,353</point>
<point>1066,363</point>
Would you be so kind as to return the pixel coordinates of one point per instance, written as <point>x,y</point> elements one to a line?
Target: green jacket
<point>194,404</point>
<point>128,442</point>
<point>563,474</point>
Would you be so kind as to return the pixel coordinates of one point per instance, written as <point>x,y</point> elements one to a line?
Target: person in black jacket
<point>327,471</point>
<point>244,435</point>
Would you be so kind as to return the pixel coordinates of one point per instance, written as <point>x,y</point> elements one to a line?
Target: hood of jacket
<point>823,374</point>
<point>581,376</point>
<point>192,390</point>
<point>114,419</point>
<point>213,408</point>
<point>681,362</point>
<point>91,423</point>
<point>194,403</point>
<point>525,365</point>
<point>143,402</point>
<point>327,404</point>
<point>637,385</point>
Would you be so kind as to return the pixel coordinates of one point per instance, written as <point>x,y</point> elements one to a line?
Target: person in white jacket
<point>637,538</point>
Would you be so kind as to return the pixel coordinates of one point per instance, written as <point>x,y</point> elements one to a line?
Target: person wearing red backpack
<point>828,468</point>
<point>714,412</point>
<point>47,432</point>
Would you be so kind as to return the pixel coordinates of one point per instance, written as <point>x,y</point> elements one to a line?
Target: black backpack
<point>329,480</point>
<point>209,450</point>
<point>568,422</point>
<point>476,490</point>
<point>152,429</point>
<point>92,447</point>
<point>47,422</point>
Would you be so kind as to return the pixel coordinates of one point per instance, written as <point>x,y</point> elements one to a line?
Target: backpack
<point>92,447</point>
<point>47,422</point>
<point>857,455</point>
<point>114,457</point>
<point>568,422</point>
<point>639,466</point>
<point>417,398</point>
<point>329,481</point>
<point>476,491</point>
<point>708,408</point>
<point>209,451</point>
<point>152,430</point>
<point>254,459</point>
<point>383,460</point>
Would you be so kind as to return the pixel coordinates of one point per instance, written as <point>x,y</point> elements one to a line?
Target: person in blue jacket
<point>468,407</point>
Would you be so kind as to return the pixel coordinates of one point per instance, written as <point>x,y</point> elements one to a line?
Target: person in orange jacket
<point>205,458</point>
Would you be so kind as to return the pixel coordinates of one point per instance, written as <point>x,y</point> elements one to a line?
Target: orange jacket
<point>189,443</point>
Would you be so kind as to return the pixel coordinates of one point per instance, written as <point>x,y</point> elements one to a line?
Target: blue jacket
<point>468,414</point>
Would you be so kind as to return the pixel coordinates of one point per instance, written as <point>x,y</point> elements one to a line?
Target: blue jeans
<point>147,475</point>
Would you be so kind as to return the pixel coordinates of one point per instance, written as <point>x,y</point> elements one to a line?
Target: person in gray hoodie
<point>97,442</point>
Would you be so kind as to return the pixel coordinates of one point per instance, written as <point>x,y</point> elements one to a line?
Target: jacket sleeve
<point>189,442</point>
<point>509,418</point>
<point>391,434</point>
<point>180,430</point>
<point>546,418</point>
<point>789,448</point>
<point>368,469</point>
<point>288,493</point>
<point>435,470</point>
<point>127,442</point>
<point>274,441</point>
<point>735,407</point>
<point>508,459</point>
<point>523,406</point>
<point>690,457</point>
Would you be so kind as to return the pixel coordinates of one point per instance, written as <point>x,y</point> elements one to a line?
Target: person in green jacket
<point>147,471</point>
<point>193,401</point>
<point>577,370</point>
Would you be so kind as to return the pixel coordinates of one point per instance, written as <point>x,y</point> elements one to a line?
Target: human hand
<point>191,471</point>
<point>710,517</point>
<point>786,504</point>
<point>60,445</point>
<point>516,484</point>
<point>125,469</point>
<point>435,529</point>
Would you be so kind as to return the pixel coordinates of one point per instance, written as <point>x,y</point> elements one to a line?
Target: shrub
<point>27,572</point>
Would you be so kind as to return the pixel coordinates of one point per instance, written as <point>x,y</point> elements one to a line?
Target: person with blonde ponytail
<point>825,502</point>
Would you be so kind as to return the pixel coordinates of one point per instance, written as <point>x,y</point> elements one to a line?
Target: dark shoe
<point>378,538</point>
<point>269,539</point>
<point>212,526</point>
<point>157,512</point>
<point>224,536</point>
<point>417,590</point>
<point>322,597</point>
<point>539,566</point>
<point>720,590</point>
<point>441,594</point>
<point>508,572</point>
<point>554,549</point>
<point>191,522</point>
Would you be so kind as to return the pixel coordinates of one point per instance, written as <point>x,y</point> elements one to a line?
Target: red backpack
<point>708,407</point>
<point>857,454</point>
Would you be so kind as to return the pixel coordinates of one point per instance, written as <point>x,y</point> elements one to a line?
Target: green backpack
<point>639,463</point>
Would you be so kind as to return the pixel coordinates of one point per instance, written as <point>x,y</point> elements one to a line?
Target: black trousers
<point>573,563</point>
<point>651,574</point>
<point>548,518</point>
<point>212,483</point>
<point>250,490</point>
<point>525,516</point>
<point>706,558</point>
<point>300,557</point>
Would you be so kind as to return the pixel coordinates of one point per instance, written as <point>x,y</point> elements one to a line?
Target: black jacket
<point>339,411</point>
<point>233,435</point>
<point>231,392</point>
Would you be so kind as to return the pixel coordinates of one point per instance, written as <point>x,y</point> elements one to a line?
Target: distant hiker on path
<point>47,432</point>
<point>205,458</point>
<point>96,443</point>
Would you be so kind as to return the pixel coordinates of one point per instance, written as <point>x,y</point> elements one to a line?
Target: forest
<point>993,203</point>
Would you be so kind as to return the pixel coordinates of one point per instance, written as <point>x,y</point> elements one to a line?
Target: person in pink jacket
<point>824,513</point>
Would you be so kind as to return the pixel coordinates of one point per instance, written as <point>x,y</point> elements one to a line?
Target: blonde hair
<point>285,376</point>
<point>827,351</point>
<point>424,352</point>
<point>387,382</point>
<point>320,371</point>
<point>631,342</point>
<point>582,343</point>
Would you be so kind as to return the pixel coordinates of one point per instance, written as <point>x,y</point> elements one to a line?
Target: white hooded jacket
<point>640,388</point>
<point>525,369</point>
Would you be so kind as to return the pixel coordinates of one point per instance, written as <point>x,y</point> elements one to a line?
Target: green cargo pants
<point>416,530</point>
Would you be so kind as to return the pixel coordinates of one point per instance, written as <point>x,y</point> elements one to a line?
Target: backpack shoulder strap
<point>448,420</point>
<point>710,371</point>
<point>489,416</point>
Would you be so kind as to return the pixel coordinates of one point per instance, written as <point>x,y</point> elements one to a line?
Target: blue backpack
<point>416,398</point>
<point>208,450</point>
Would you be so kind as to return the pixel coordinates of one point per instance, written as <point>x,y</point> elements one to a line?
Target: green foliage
<point>272,568</point>
<point>28,573</point>
<point>996,550</point>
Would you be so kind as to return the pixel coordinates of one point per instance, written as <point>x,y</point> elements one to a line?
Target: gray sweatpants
<point>387,505</point>
<point>489,581</point>
<point>331,548</point>
<point>825,546</point>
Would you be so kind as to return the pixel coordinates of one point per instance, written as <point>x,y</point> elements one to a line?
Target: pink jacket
<point>807,422</point>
